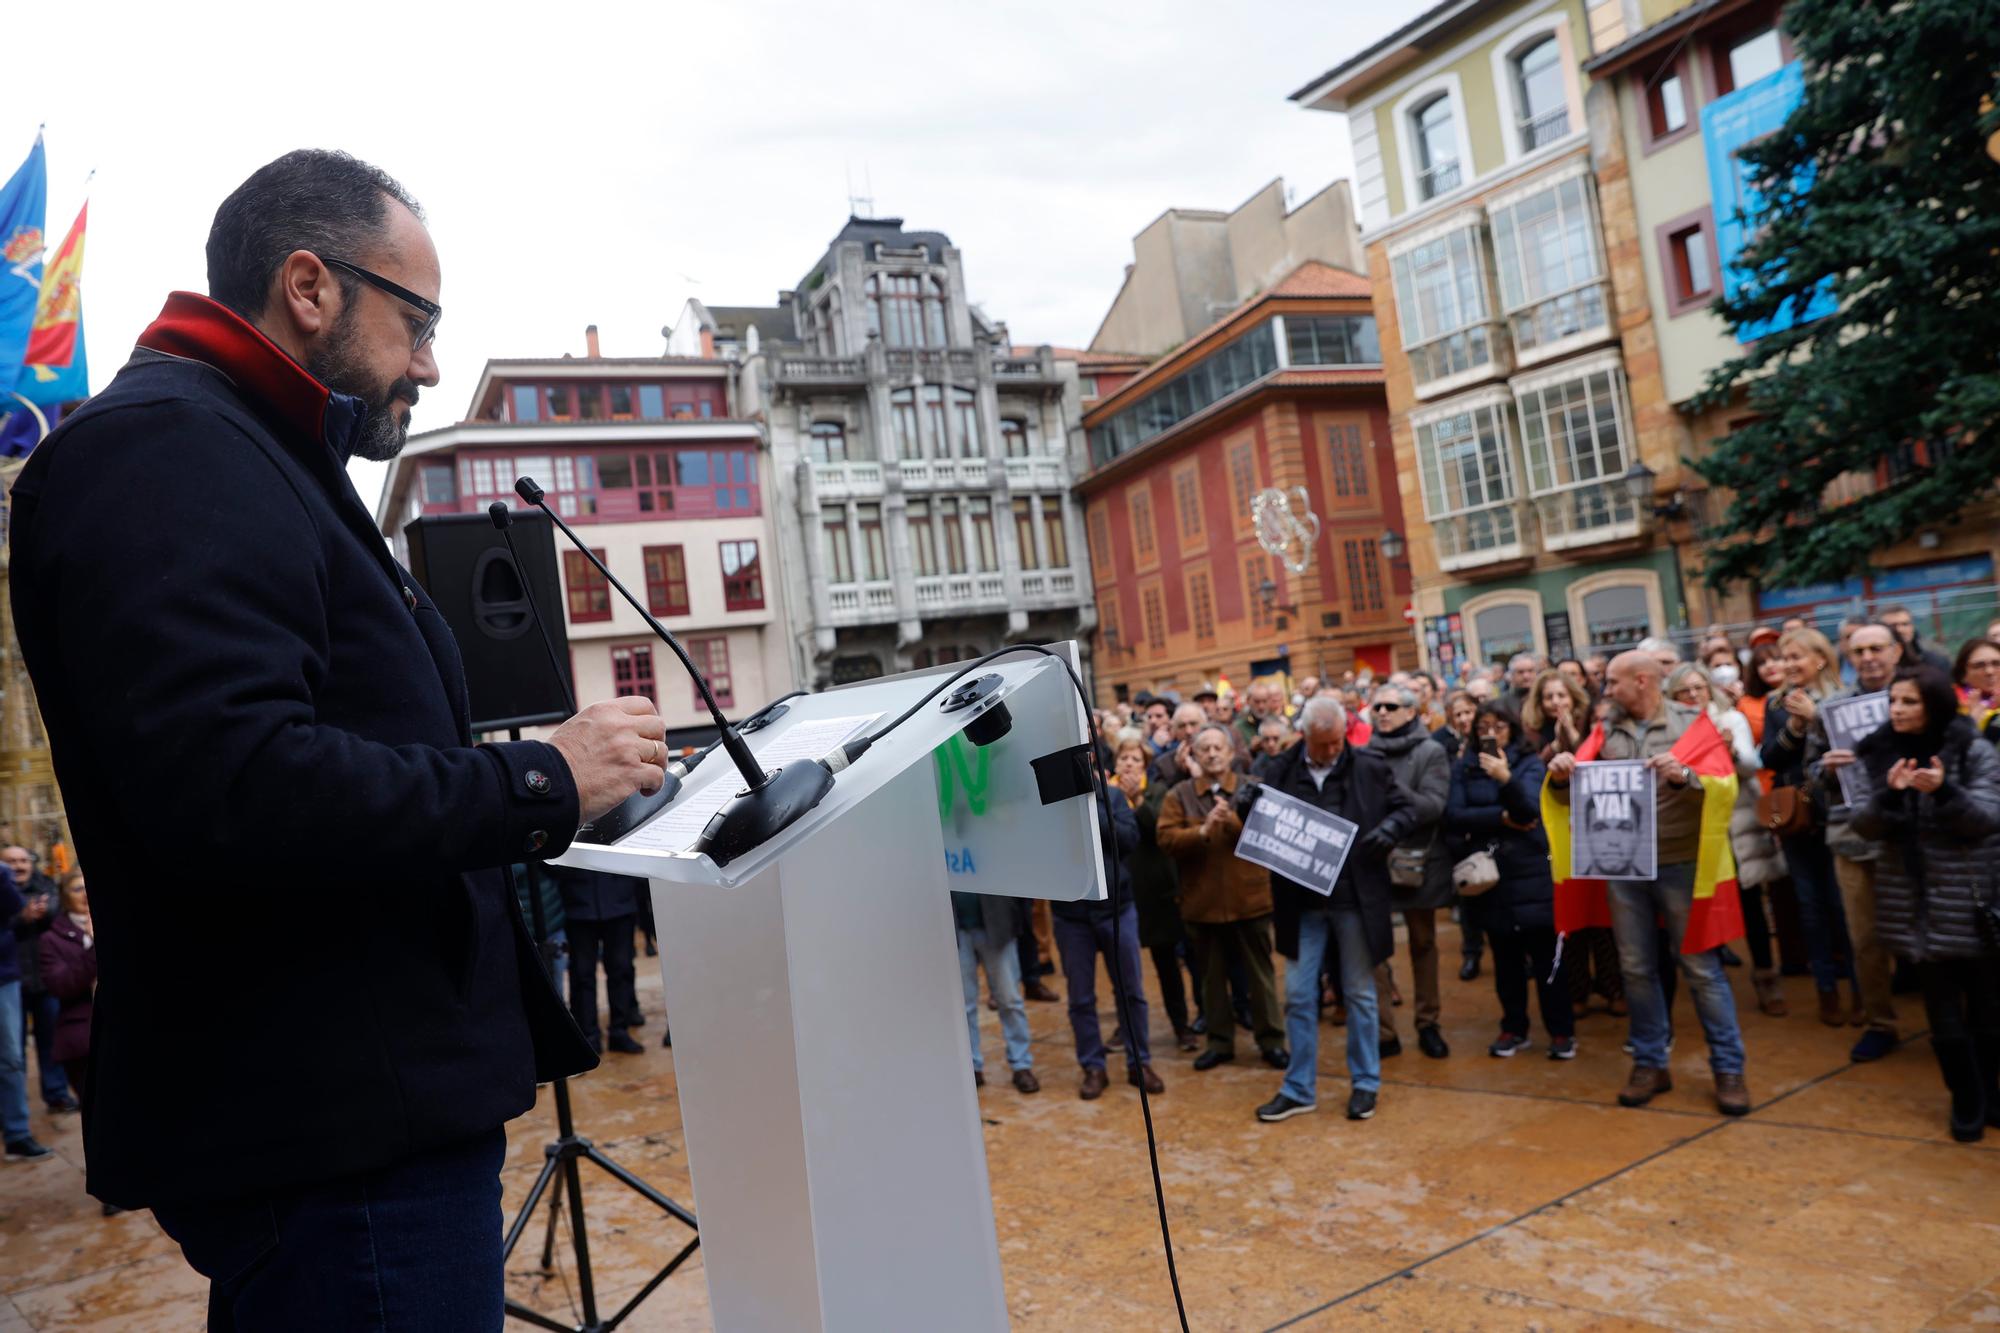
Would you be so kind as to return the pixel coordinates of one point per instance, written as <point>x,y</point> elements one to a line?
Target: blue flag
<point>23,220</point>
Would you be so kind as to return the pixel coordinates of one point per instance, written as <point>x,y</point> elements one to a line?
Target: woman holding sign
<point>1495,798</point>
<point>1933,800</point>
<point>1811,673</point>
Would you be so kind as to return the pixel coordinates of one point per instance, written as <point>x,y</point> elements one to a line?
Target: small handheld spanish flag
<point>1717,915</point>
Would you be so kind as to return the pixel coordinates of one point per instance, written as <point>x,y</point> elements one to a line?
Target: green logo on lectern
<point>962,768</point>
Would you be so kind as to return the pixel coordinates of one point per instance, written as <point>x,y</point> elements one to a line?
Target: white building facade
<point>920,470</point>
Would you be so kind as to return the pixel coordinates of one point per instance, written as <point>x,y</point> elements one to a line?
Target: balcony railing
<point>1446,362</point>
<point>861,603</point>
<point>1027,474</point>
<point>847,481</point>
<point>1544,129</point>
<point>822,370</point>
<point>1481,537</point>
<point>922,474</point>
<point>1544,329</point>
<point>1585,515</point>
<point>950,594</point>
<point>1046,587</point>
<point>1023,368</point>
<point>957,363</point>
<point>1440,179</point>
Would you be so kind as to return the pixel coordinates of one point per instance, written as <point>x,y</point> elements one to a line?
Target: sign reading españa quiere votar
<point>1302,842</point>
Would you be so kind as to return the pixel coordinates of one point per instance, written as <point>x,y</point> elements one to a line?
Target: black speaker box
<point>462,561</point>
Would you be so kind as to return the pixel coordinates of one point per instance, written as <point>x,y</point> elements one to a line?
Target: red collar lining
<point>200,329</point>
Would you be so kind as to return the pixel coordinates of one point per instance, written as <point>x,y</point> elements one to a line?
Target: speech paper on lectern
<point>1302,842</point>
<point>676,828</point>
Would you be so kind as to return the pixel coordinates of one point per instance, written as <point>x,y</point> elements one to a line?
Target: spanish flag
<point>1717,916</point>
<point>56,369</point>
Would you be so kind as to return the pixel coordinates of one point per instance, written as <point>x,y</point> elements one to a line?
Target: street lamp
<point>1639,481</point>
<point>1392,544</point>
<point>1268,592</point>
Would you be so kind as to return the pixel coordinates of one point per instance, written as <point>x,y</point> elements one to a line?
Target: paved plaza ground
<point>1486,1194</point>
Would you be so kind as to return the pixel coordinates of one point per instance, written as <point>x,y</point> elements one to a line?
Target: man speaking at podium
<point>318,1004</point>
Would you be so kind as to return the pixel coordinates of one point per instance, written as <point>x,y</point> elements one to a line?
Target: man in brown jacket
<point>1225,901</point>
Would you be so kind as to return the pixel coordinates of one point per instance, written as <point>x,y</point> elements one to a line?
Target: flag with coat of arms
<point>23,220</point>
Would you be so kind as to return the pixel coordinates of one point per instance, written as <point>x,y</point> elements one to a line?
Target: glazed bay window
<point>1576,440</point>
<point>1550,264</point>
<point>1332,340</point>
<point>1466,467</point>
<point>1442,301</point>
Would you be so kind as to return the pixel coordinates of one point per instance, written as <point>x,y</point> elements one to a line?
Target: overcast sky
<point>602,163</point>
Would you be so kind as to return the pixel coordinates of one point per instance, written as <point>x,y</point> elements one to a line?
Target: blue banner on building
<point>1730,124</point>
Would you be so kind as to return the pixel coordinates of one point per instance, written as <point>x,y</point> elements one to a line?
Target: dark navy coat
<point>309,963</point>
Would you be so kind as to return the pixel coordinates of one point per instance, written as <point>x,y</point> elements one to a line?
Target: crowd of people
<point>1871,866</point>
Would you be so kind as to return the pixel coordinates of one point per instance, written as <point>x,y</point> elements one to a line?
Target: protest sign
<point>1847,722</point>
<point>1613,824</point>
<point>1302,842</point>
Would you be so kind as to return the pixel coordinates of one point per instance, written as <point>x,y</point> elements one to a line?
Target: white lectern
<point>819,1026</point>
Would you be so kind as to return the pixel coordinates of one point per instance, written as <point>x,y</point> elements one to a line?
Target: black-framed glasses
<point>433,312</point>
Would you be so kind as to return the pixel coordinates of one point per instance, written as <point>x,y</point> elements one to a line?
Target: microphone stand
<point>560,1158</point>
<point>768,802</point>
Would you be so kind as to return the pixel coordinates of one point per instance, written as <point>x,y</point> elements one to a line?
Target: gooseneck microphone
<point>640,806</point>
<point>769,802</point>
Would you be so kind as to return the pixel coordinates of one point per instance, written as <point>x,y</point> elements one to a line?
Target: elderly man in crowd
<point>1355,783</point>
<point>1522,669</point>
<point>1274,737</point>
<point>1266,699</point>
<point>1642,724</point>
<point>1225,900</point>
<point>1874,651</point>
<point>1419,872</point>
<point>1174,763</point>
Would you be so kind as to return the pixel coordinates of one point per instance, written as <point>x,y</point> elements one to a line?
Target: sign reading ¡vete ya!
<point>1302,842</point>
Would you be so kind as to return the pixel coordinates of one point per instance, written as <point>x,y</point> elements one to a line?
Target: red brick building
<point>1284,392</point>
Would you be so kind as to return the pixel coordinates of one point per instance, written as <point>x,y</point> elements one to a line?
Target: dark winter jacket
<point>1362,790</point>
<point>1116,828</point>
<point>1001,917</point>
<point>1525,895</point>
<point>39,889</point>
<point>1156,880</point>
<point>69,972</point>
<point>596,895</point>
<point>1940,850</point>
<point>11,904</point>
<point>249,702</point>
<point>1423,770</point>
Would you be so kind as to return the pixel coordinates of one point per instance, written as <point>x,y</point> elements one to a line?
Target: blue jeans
<point>43,1008</point>
<point>1357,987</point>
<point>1822,918</point>
<point>1635,907</point>
<point>13,1066</point>
<point>1002,961</point>
<point>1079,943</point>
<point>412,1246</point>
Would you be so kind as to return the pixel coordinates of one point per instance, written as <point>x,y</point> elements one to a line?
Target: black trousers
<point>1962,1003</point>
<point>613,939</point>
<point>1173,991</point>
<point>1518,955</point>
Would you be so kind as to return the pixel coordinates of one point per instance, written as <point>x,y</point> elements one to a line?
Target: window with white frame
<point>1541,104</point>
<point>1465,465</point>
<point>1434,133</point>
<point>1575,438</point>
<point>1442,302</point>
<point>1550,264</point>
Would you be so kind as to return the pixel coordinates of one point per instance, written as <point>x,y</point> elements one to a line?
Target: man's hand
<point>1835,760</point>
<point>1378,840</point>
<point>1561,768</point>
<point>613,749</point>
<point>1669,769</point>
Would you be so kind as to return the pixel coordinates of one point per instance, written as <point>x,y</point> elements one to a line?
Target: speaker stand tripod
<point>560,1176</point>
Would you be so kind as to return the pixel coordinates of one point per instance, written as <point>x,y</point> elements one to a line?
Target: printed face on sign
<point>1614,831</point>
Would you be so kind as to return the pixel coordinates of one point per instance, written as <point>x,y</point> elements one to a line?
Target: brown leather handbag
<point>1785,811</point>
